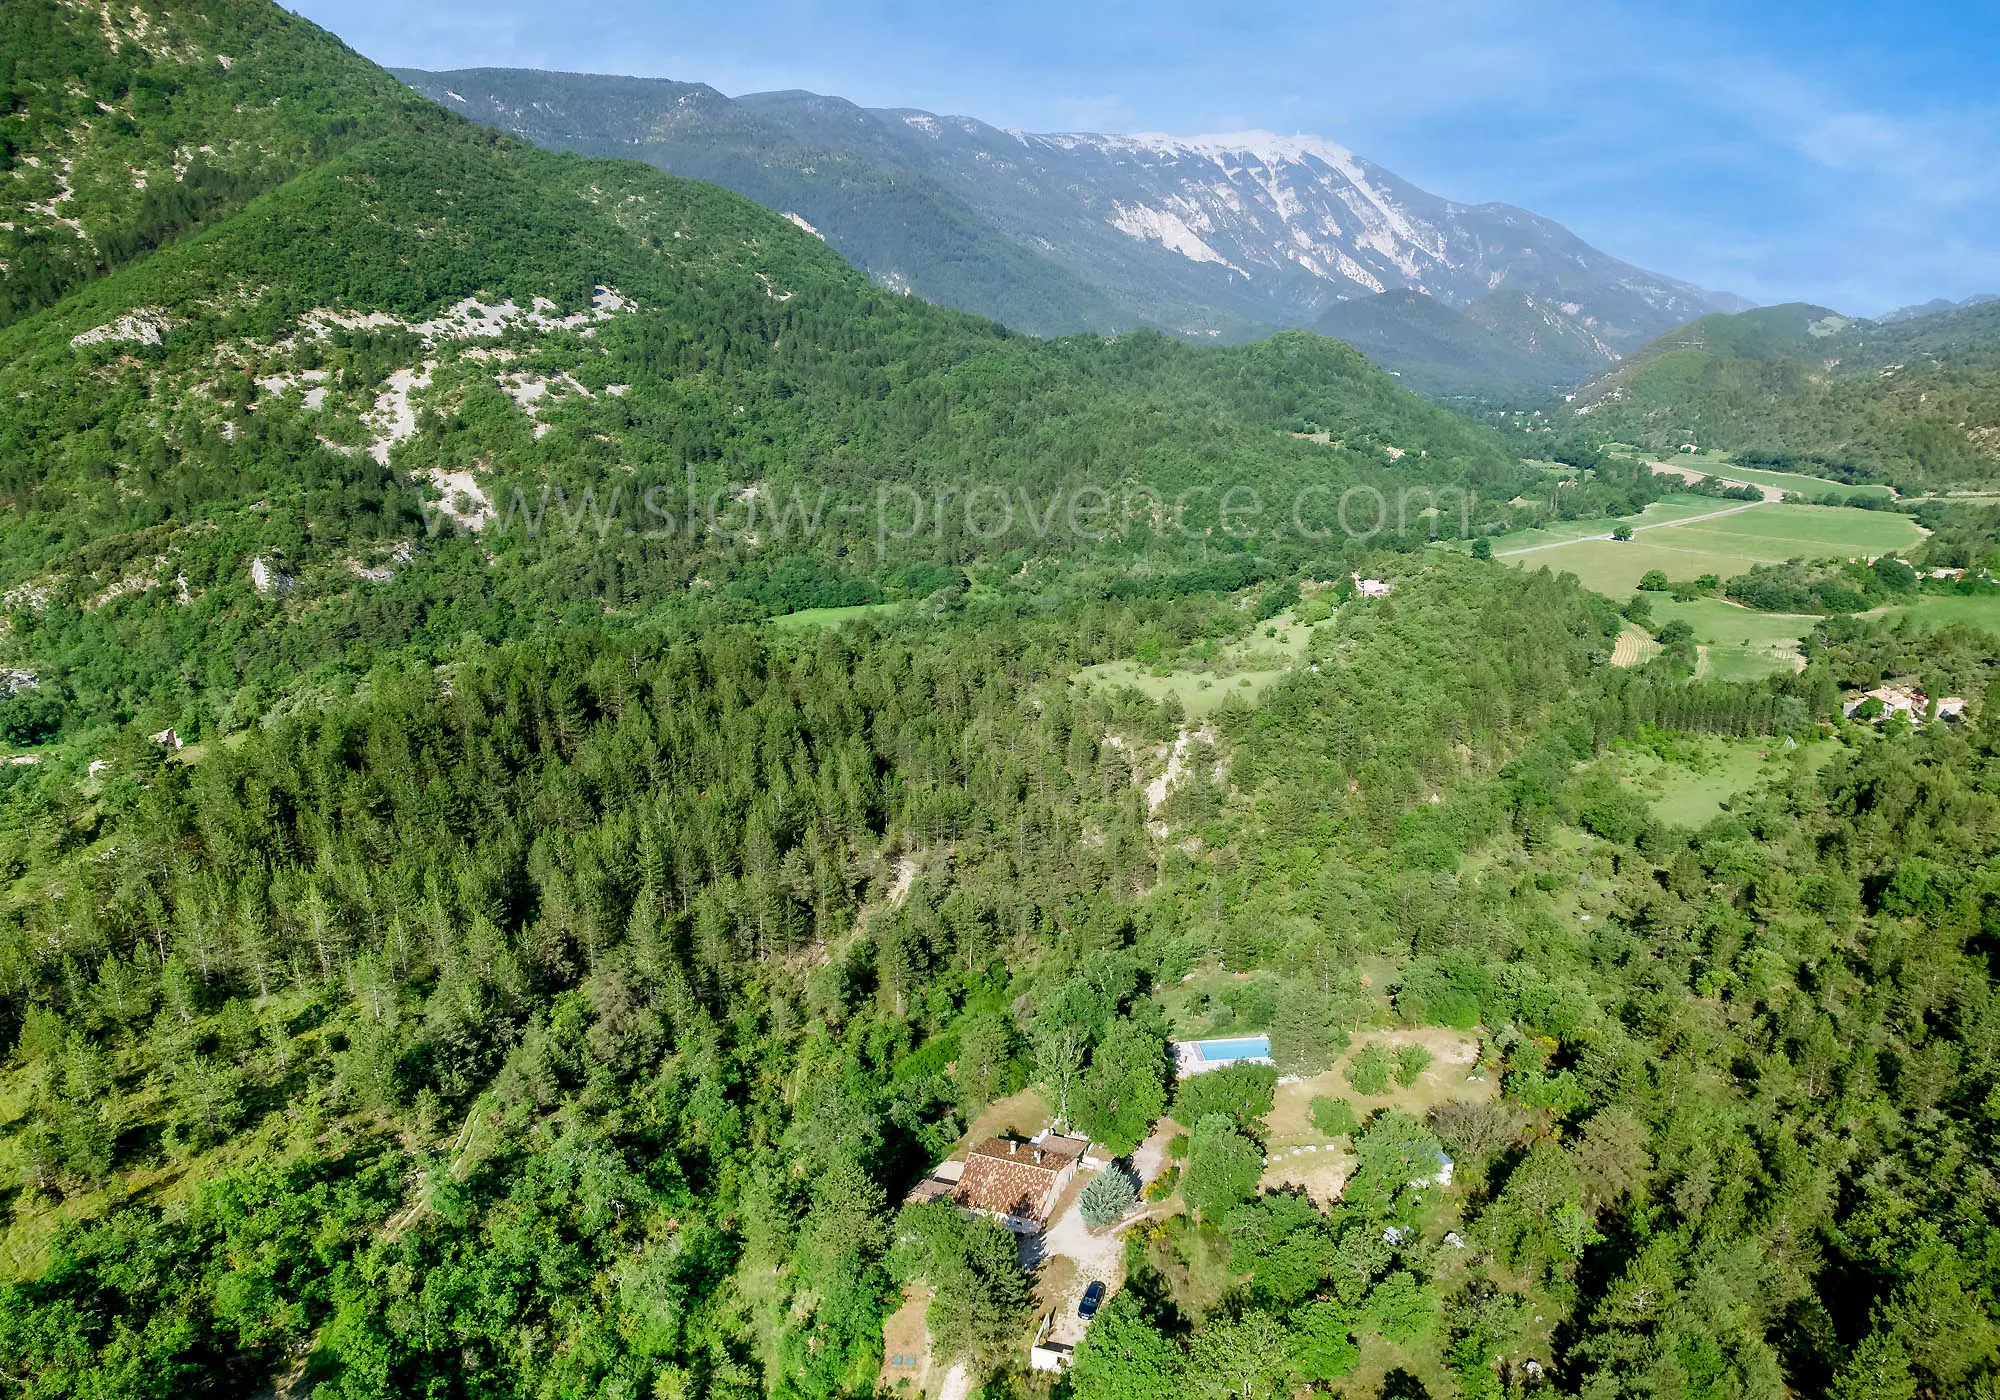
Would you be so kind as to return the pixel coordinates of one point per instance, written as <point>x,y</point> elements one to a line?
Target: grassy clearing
<point>1692,791</point>
<point>906,1346</point>
<point>1724,545</point>
<point>1252,995</point>
<point>1453,1057</point>
<point>1302,1156</point>
<point>1244,668</point>
<point>835,617</point>
<point>1664,511</point>
<point>1021,1115</point>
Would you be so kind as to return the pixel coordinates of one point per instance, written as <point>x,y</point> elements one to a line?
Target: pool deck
<point>1188,1058</point>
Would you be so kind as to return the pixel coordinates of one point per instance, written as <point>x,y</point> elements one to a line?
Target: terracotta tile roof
<point>1015,1178</point>
<point>931,1188</point>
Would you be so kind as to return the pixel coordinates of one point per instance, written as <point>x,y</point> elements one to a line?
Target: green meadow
<point>1938,609</point>
<point>834,617</point>
<point>1720,465</point>
<point>1665,511</point>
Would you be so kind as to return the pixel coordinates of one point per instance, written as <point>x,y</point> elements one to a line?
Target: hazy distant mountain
<point>1215,236</point>
<point>1936,306</point>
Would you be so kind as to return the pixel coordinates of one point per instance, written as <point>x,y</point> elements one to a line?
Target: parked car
<point>1093,1296</point>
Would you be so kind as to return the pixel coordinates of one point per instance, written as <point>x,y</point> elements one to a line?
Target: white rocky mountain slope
<point>1278,228</point>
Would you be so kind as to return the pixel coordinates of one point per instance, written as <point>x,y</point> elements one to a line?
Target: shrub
<point>1411,1061</point>
<point>1108,1198</point>
<point>1368,1071</point>
<point>1332,1116</point>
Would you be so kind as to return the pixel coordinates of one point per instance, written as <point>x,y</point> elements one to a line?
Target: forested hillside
<point>536,816</point>
<point>132,129</point>
<point>1505,347</point>
<point>374,386</point>
<point>1914,402</point>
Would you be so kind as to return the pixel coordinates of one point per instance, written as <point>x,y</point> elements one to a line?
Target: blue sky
<point>1847,154</point>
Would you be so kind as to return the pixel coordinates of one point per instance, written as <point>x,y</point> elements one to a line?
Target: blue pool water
<point>1248,1047</point>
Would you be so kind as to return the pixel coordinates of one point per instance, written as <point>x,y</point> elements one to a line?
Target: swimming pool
<point>1249,1047</point>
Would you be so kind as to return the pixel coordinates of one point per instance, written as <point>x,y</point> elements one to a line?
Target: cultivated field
<point>1737,643</point>
<point>1723,540</point>
<point>1693,469</point>
<point>1665,511</point>
<point>1635,645</point>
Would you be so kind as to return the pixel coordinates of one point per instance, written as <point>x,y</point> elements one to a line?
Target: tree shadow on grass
<point>1401,1385</point>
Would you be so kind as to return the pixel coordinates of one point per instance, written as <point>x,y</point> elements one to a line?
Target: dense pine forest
<point>456,941</point>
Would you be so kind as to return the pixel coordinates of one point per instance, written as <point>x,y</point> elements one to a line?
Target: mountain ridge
<point>1219,236</point>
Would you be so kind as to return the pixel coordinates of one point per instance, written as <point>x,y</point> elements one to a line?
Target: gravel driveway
<point>1097,1257</point>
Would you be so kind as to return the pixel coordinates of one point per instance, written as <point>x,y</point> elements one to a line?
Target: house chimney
<point>1012,1147</point>
<point>1038,1154</point>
